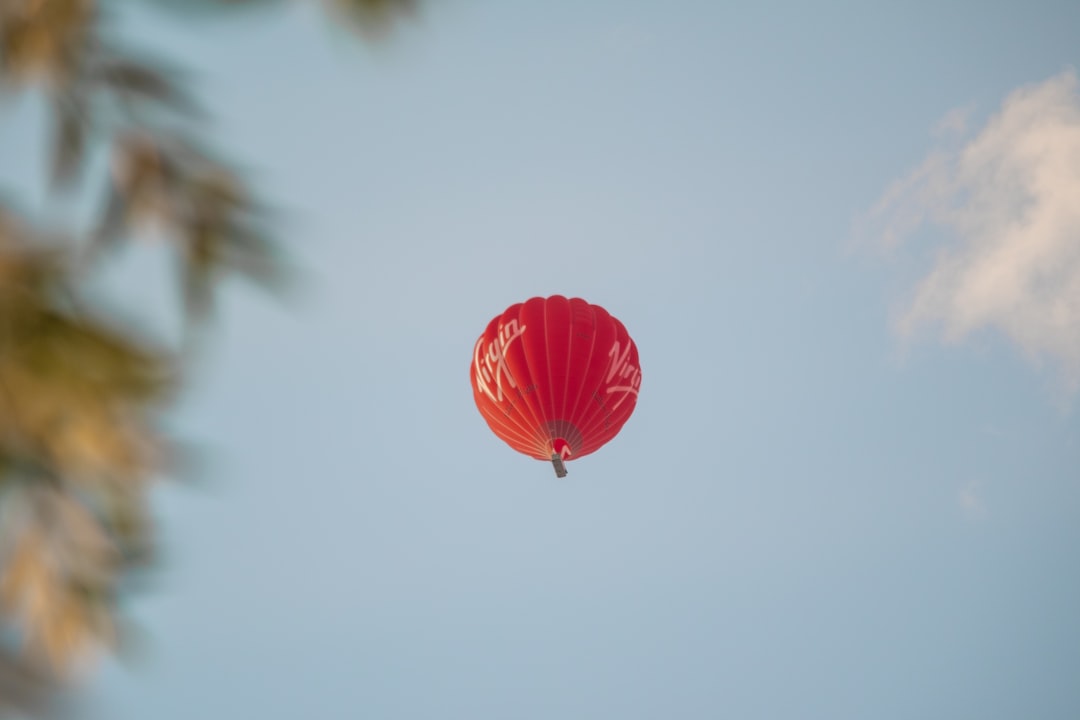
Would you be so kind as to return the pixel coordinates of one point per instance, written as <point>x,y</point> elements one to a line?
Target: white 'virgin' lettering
<point>621,371</point>
<point>489,366</point>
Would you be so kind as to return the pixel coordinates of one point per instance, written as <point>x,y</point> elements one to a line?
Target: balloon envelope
<point>555,378</point>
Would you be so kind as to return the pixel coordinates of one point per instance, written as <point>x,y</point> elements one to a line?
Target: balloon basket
<point>560,466</point>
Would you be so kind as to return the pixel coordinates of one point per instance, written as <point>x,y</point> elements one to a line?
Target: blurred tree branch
<point>81,394</point>
<point>370,18</point>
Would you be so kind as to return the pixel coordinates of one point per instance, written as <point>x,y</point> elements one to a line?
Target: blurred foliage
<point>82,395</point>
<point>368,17</point>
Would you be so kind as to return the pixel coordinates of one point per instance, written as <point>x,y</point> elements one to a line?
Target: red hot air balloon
<point>555,378</point>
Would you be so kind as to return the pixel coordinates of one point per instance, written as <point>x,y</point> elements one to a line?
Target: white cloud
<point>1008,201</point>
<point>955,122</point>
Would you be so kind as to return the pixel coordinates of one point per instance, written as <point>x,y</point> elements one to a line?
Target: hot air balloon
<point>555,378</point>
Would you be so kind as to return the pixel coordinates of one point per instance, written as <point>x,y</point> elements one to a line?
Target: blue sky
<point>845,249</point>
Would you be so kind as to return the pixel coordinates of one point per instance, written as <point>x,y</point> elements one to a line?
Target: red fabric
<point>555,375</point>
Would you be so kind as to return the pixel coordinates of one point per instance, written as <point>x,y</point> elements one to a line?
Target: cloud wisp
<point>1007,203</point>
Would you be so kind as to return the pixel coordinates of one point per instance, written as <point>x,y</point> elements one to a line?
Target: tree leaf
<point>373,18</point>
<point>69,143</point>
<point>140,80</point>
<point>24,688</point>
<point>45,39</point>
